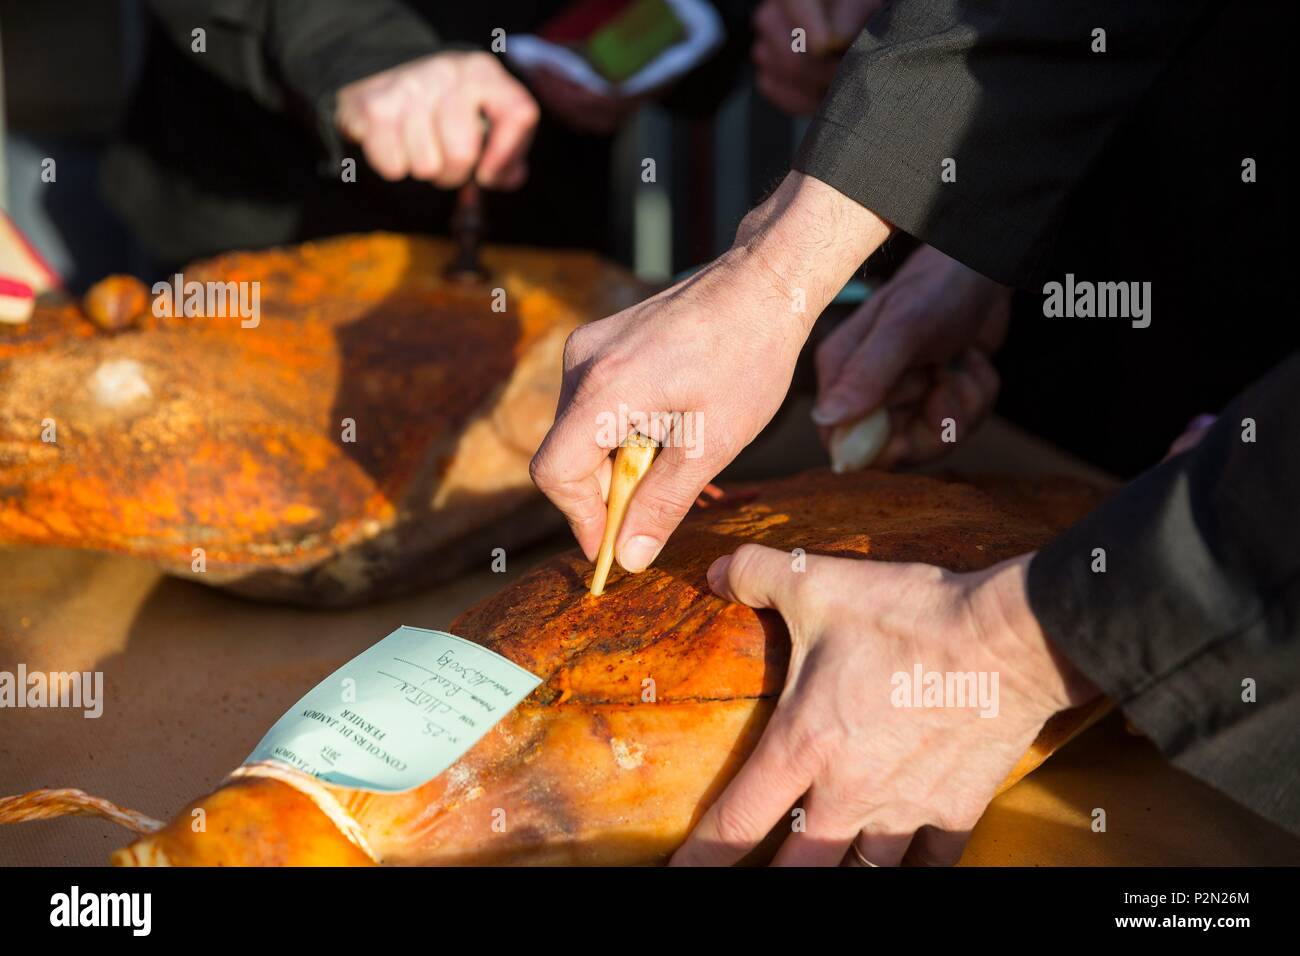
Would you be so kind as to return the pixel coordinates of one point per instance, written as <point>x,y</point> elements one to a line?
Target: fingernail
<point>718,571</point>
<point>830,411</point>
<point>637,552</point>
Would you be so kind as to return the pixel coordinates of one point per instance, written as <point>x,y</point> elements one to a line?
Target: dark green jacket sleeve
<point>1011,91</point>
<point>1194,626</point>
<point>287,52</point>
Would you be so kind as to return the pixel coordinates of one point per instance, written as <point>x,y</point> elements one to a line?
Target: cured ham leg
<point>367,431</point>
<point>652,695</point>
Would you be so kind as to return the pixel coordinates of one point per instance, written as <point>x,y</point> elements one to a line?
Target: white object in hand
<point>856,445</point>
<point>631,462</point>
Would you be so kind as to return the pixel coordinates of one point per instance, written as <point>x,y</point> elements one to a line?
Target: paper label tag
<point>399,713</point>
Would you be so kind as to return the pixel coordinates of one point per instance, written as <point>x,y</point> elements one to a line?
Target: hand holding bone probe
<point>720,346</point>
<point>422,119</point>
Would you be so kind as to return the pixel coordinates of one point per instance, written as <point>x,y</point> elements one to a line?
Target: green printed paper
<point>633,39</point>
<point>398,714</point>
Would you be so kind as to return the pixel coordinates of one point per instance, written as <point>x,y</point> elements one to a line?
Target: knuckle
<point>384,109</point>
<point>900,329</point>
<point>899,815</point>
<point>809,743</point>
<point>660,510</point>
<point>734,826</point>
<point>526,109</point>
<point>589,384</point>
<point>541,471</point>
<point>425,166</point>
<point>410,85</point>
<point>745,560</point>
<point>932,575</point>
<point>575,347</point>
<point>456,163</point>
<point>603,371</point>
<point>462,151</point>
<point>481,61</point>
<point>387,166</point>
<point>855,377</point>
<point>442,71</point>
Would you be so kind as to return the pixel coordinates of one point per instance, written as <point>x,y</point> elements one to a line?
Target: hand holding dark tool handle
<point>467,227</point>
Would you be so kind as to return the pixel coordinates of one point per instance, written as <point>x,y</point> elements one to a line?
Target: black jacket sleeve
<point>297,52</point>
<point>1194,626</point>
<point>1012,91</point>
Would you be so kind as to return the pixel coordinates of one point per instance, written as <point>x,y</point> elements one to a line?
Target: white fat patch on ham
<point>119,382</point>
<point>460,778</point>
<point>629,756</point>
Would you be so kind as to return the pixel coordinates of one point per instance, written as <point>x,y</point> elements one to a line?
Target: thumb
<point>757,576</point>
